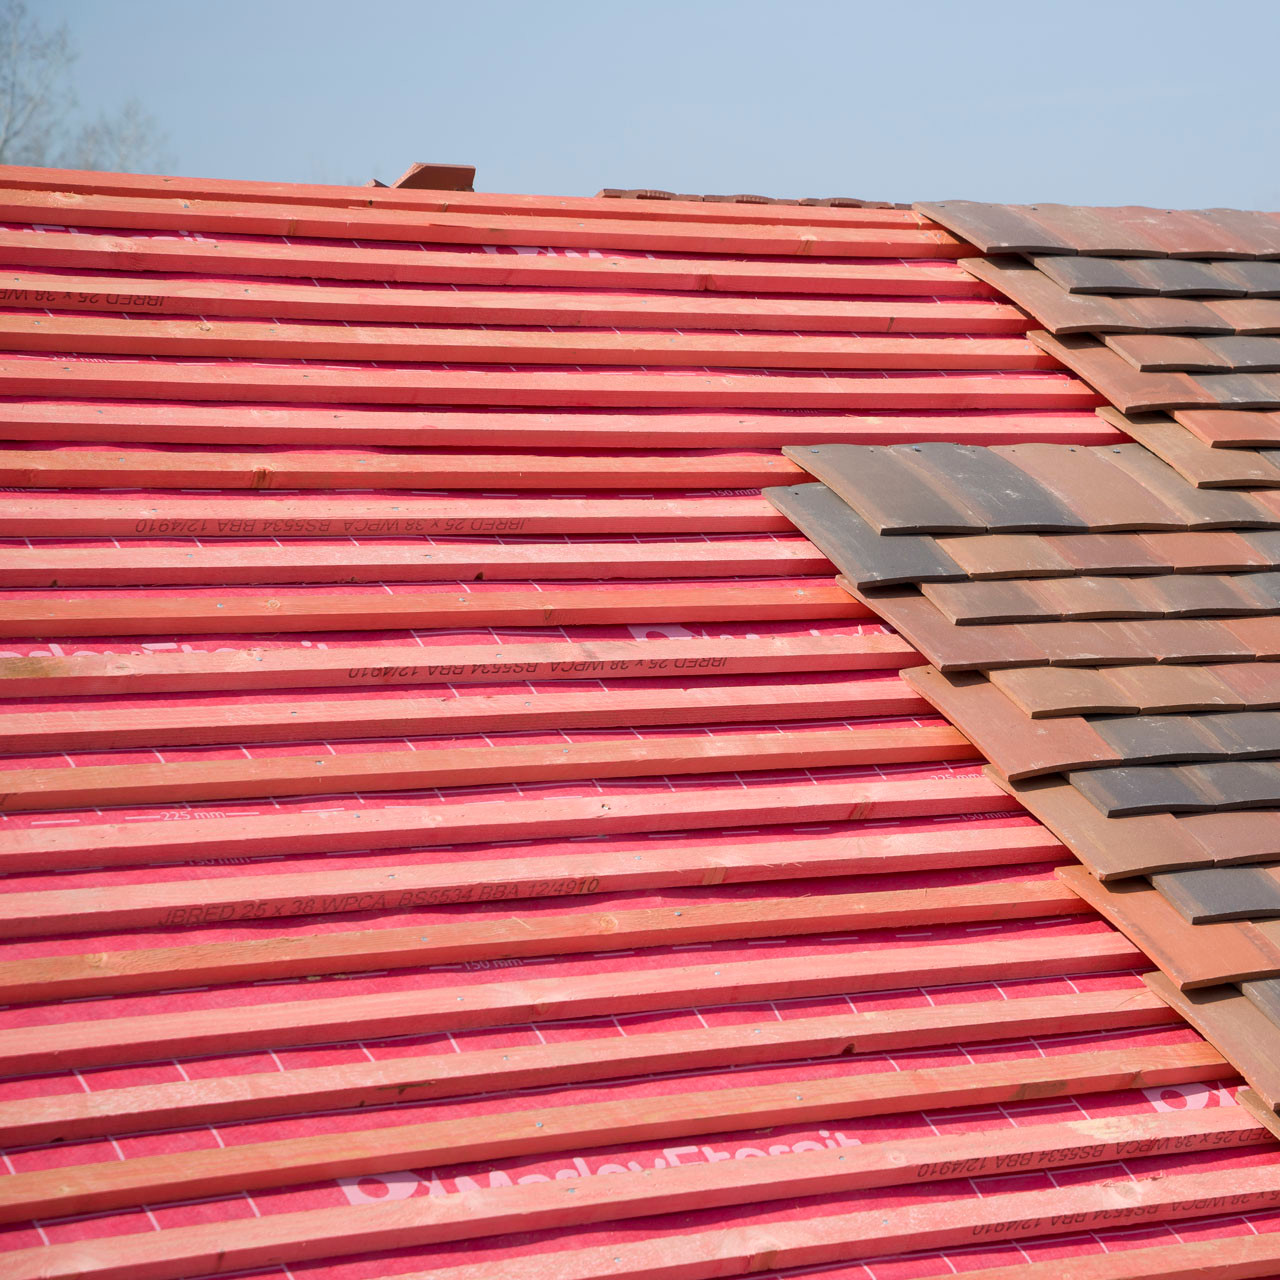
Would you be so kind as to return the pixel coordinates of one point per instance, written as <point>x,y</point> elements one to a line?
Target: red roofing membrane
<point>531,864</point>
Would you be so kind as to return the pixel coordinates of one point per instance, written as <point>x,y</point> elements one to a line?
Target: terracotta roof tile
<point>1162,689</point>
<point>1006,555</point>
<point>1128,389</point>
<point>1247,315</point>
<point>1085,480</point>
<point>1222,427</point>
<point>1166,353</point>
<point>1193,955</point>
<point>1046,692</point>
<point>1197,462</point>
<point>1112,848</point>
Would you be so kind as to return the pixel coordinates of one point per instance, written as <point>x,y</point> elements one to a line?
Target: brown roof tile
<point>1112,849</point>
<point>1243,1031</point>
<point>1166,353</point>
<point>1052,306</point>
<point>1236,836</point>
<point>1090,597</point>
<point>1017,745</point>
<point>1048,692</point>
<point>1201,508</point>
<point>1232,427</point>
<point>1128,553</point>
<point>1192,955</point>
<point>991,601</point>
<point>1116,379</point>
<point>1169,688</point>
<point>1210,551</point>
<point>1197,462</point>
<point>1180,315</point>
<point>1201,595</point>
<point>1105,496</point>
<point>996,228</point>
<point>1259,230</point>
<point>1007,555</point>
<point>1247,315</point>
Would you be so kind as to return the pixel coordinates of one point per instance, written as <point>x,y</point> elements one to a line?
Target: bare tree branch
<point>39,123</point>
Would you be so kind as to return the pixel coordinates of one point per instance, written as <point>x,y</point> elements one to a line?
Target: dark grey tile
<point>1240,784</point>
<point>1158,739</point>
<point>1243,734</point>
<point>1185,277</point>
<point>1264,587</point>
<point>1004,497</point>
<point>1249,354</point>
<point>1266,541</point>
<point>1129,790</point>
<point>1257,279</point>
<point>1096,275</point>
<point>854,547</point>
<point>1213,894</point>
<point>886,490</point>
<point>995,228</point>
<point>1241,390</point>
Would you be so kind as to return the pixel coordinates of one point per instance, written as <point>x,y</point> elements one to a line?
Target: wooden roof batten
<point>457,826</point>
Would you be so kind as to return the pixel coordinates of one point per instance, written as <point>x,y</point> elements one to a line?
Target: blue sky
<point>1123,101</point>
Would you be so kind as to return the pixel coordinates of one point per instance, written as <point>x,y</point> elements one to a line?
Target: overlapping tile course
<point>1103,623</point>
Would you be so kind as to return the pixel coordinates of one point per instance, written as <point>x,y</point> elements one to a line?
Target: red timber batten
<point>454,827</point>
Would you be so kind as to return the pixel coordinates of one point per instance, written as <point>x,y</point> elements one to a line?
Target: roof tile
<point>1167,353</point>
<point>1019,746</point>
<point>1006,555</point>
<point>1109,232</point>
<point>1115,378</point>
<point>1195,461</point>
<point>1056,309</point>
<point>1097,275</point>
<point>1183,277</point>
<point>1110,848</point>
<point>1157,739</point>
<point>1238,427</point>
<point>1248,353</point>
<point>1048,692</point>
<point>1257,279</point>
<point>854,547</point>
<point>1106,497</point>
<point>996,228</point>
<point>885,489</point>
<point>1246,315</point>
<point>1005,498</point>
<point>1201,508</point>
<point>1214,894</point>
<point>1165,688</point>
<point>1192,955</point>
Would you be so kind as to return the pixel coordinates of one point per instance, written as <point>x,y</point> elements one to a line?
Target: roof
<point>457,826</point>
<point>1103,622</point>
